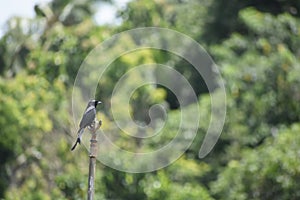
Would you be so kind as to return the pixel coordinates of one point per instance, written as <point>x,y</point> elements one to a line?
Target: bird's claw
<point>95,125</point>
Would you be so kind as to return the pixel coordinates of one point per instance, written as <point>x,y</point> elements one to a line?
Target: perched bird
<point>87,119</point>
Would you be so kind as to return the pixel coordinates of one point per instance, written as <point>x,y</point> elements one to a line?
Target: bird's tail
<point>78,141</point>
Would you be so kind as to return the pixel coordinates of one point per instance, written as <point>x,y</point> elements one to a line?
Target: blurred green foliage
<point>256,47</point>
<point>271,171</point>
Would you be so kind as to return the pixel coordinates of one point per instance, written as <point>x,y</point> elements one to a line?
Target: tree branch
<point>93,155</point>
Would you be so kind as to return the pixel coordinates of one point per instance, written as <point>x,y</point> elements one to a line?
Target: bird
<point>87,119</point>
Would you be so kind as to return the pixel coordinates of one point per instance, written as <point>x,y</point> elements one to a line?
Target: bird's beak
<point>99,102</point>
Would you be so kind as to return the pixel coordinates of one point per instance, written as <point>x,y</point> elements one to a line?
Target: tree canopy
<point>255,46</point>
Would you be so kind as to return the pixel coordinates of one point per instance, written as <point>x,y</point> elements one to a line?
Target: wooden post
<point>93,155</point>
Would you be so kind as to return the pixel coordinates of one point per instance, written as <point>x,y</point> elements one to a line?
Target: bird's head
<point>94,102</point>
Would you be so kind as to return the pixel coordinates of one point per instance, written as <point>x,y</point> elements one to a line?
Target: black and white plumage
<point>87,119</point>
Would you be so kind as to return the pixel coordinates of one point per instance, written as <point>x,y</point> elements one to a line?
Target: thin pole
<point>93,155</point>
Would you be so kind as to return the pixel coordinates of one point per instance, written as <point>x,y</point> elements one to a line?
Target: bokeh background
<point>256,46</point>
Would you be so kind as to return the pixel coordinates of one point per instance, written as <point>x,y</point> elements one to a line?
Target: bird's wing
<point>88,117</point>
<point>88,109</point>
